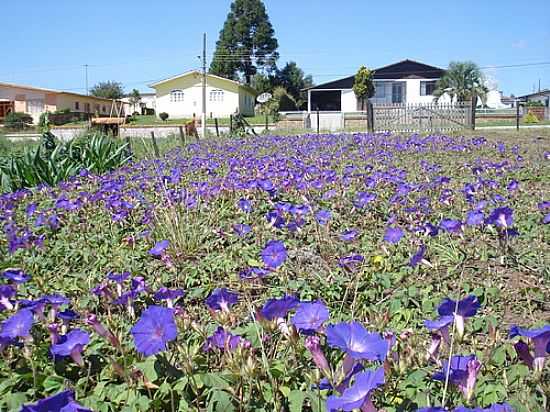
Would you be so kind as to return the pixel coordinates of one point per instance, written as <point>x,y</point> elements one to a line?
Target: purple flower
<point>154,329</point>
<point>279,308</point>
<point>348,235</point>
<point>546,219</point>
<point>440,331</point>
<point>393,235</point>
<point>159,248</point>
<point>474,218</point>
<point>118,277</point>
<point>245,205</point>
<point>540,338</point>
<point>356,341</point>
<point>323,217</point>
<point>350,262</point>
<point>274,254</point>
<point>310,316</point>
<point>6,293</point>
<point>513,185</point>
<point>61,402</point>
<point>466,308</point>
<point>18,325</point>
<point>501,217</point>
<point>462,372</point>
<point>432,409</point>
<point>418,256</point>
<point>242,229</point>
<point>451,225</point>
<point>358,395</point>
<point>16,276</point>
<point>101,330</point>
<point>68,315</point>
<point>253,273</point>
<point>312,344</point>
<point>72,345</point>
<point>168,295</point>
<point>223,340</point>
<point>221,299</point>
<point>363,198</point>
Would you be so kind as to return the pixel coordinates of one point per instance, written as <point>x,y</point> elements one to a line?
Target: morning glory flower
<point>159,248</point>
<point>61,402</point>
<point>540,338</point>
<point>154,329</point>
<point>363,198</point>
<point>242,229</point>
<point>393,235</point>
<point>72,345</point>
<point>101,330</point>
<point>221,299</point>
<point>418,256</point>
<point>310,316</point>
<point>245,205</point>
<point>221,339</point>
<point>497,407</point>
<point>278,308</point>
<point>350,262</point>
<point>466,308</point>
<point>358,395</point>
<point>253,273</point>
<point>474,218</point>
<point>348,235</point>
<point>462,372</point>
<point>323,217</point>
<point>439,329</point>
<point>18,325</point>
<point>501,217</point>
<point>6,293</point>
<point>16,276</point>
<point>356,341</point>
<point>118,277</point>
<point>274,254</point>
<point>451,225</point>
<point>312,344</point>
<point>169,295</point>
<point>432,409</point>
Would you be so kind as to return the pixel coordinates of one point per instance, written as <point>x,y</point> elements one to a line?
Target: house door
<point>5,108</point>
<point>398,92</point>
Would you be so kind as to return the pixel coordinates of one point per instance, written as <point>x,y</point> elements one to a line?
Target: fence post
<point>318,121</point>
<point>217,128</point>
<point>266,122</point>
<point>155,147</point>
<point>473,112</point>
<point>230,124</point>
<point>517,115</point>
<point>129,146</point>
<point>370,117</point>
<point>182,136</point>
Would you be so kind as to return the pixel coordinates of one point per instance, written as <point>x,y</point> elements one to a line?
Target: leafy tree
<point>247,42</point>
<point>164,116</point>
<point>461,82</point>
<point>293,80</point>
<point>363,86</point>
<point>134,98</point>
<point>108,90</point>
<point>263,83</point>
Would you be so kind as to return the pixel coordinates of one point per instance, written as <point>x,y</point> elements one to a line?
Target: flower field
<point>284,273</point>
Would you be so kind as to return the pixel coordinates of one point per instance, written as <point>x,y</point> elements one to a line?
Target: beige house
<point>181,96</point>
<point>36,100</point>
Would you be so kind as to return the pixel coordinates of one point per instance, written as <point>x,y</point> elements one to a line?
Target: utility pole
<point>86,69</point>
<point>539,85</point>
<point>203,117</point>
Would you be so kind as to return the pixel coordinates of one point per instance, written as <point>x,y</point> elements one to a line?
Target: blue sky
<point>46,43</point>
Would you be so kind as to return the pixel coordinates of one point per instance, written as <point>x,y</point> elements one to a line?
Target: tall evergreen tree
<point>247,42</point>
<point>293,79</point>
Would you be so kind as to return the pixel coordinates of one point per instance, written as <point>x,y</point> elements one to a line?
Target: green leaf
<point>296,400</point>
<point>220,401</point>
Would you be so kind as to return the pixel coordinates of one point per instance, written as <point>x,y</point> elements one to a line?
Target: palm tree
<point>461,82</point>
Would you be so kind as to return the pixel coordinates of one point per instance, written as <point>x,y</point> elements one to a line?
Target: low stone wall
<point>68,133</point>
<point>145,131</point>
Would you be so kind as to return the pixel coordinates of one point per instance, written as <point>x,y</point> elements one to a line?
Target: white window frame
<point>423,84</point>
<point>216,95</point>
<point>35,106</point>
<point>177,95</point>
<point>379,90</point>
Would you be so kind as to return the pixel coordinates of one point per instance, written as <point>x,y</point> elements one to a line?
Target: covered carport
<point>325,100</point>
<point>6,106</point>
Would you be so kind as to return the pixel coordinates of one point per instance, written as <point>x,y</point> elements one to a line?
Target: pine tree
<point>247,42</point>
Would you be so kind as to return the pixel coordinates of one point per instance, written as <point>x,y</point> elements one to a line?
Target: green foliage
<point>461,82</point>
<point>247,42</point>
<point>363,85</point>
<point>52,162</point>
<point>530,118</point>
<point>17,120</point>
<point>534,103</point>
<point>280,102</point>
<point>164,116</point>
<point>293,80</point>
<point>108,90</point>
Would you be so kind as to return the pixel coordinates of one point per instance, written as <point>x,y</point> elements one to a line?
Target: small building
<point>181,96</point>
<point>36,100</point>
<point>542,96</point>
<point>407,81</point>
<point>146,104</point>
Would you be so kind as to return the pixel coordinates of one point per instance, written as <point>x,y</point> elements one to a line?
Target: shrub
<point>17,120</point>
<point>163,116</point>
<point>534,103</point>
<point>530,118</point>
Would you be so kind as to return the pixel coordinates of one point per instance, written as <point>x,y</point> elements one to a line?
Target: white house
<point>406,81</point>
<point>181,96</point>
<point>147,102</point>
<point>542,96</point>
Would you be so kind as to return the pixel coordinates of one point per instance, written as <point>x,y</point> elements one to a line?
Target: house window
<point>104,109</point>
<point>177,96</point>
<point>216,95</point>
<point>35,106</point>
<point>379,90</point>
<point>97,108</point>
<point>77,106</point>
<point>427,87</point>
<point>87,107</point>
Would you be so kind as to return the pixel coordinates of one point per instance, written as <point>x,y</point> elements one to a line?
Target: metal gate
<point>431,117</point>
